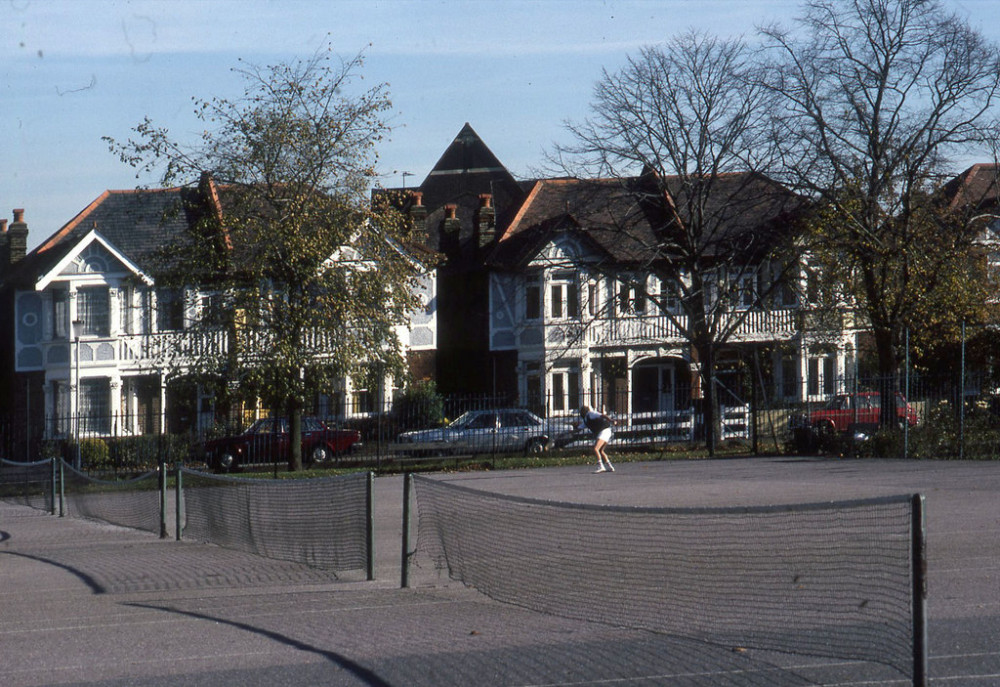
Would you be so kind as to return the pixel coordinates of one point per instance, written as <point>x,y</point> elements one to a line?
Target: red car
<point>864,408</point>
<point>266,441</point>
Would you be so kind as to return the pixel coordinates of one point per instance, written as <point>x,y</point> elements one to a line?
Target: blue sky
<point>72,71</point>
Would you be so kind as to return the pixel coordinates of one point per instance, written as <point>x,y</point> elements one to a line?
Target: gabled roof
<point>637,219</point>
<point>467,168</point>
<point>75,248</point>
<point>146,229</point>
<point>138,223</point>
<point>606,211</point>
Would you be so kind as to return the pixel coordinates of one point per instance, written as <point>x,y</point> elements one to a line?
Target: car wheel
<point>535,446</point>
<point>225,461</point>
<point>319,455</point>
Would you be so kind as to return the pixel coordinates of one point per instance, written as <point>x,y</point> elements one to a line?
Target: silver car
<point>482,431</point>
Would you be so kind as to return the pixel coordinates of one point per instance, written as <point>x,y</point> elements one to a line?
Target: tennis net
<point>131,503</point>
<point>27,484</point>
<point>323,523</point>
<point>825,580</point>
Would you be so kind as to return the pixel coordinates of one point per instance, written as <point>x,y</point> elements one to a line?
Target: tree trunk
<point>294,435</point>
<point>709,417</point>
<point>888,381</point>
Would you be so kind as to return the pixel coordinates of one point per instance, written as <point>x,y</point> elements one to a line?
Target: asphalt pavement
<point>83,603</point>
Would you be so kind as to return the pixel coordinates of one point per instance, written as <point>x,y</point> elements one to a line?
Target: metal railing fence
<point>939,419</point>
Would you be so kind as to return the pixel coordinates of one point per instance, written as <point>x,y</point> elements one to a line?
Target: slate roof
<point>137,222</point>
<point>632,221</point>
<point>148,226</point>
<point>466,169</point>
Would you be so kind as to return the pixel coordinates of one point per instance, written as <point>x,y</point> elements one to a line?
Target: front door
<point>653,387</point>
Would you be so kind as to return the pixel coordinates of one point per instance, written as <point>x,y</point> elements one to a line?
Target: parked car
<point>482,431</point>
<point>857,412</point>
<point>267,441</point>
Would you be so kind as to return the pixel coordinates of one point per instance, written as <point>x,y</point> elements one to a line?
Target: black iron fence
<point>843,416</point>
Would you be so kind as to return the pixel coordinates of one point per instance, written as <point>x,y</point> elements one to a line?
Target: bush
<point>420,406</point>
<point>145,452</point>
<point>94,454</point>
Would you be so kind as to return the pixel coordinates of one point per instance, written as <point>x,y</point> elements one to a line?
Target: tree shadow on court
<point>634,658</point>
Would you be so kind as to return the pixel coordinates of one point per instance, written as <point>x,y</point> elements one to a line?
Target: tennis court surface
<point>86,603</point>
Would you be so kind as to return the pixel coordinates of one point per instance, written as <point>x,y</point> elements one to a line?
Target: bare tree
<point>876,95</point>
<point>685,128</point>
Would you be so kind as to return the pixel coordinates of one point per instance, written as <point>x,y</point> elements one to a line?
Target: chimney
<point>485,220</point>
<point>17,237</point>
<point>418,218</point>
<point>450,227</point>
<point>4,259</point>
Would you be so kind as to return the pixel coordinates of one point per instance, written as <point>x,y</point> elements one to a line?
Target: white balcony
<point>756,325</point>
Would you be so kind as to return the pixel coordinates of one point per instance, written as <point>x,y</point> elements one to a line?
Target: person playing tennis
<point>600,425</point>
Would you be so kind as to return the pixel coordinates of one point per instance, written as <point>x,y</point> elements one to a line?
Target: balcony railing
<point>756,325</point>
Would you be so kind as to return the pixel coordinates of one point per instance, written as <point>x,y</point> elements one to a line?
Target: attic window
<point>92,260</point>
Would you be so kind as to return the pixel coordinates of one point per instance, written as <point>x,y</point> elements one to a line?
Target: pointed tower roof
<point>467,167</point>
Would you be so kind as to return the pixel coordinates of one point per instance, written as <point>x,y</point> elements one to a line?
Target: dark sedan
<point>267,441</point>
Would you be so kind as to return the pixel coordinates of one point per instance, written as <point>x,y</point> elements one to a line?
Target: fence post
<point>370,527</point>
<point>178,496</point>
<point>62,489</point>
<point>918,547</point>
<point>906,409</point>
<point>52,486</point>
<point>163,498</point>
<point>961,401</point>
<point>405,568</point>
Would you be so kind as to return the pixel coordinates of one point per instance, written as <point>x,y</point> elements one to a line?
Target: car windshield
<point>266,426</point>
<point>518,418</point>
<point>460,421</point>
<point>473,419</point>
<point>311,424</point>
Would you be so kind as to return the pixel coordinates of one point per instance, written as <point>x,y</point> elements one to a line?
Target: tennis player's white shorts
<point>604,435</point>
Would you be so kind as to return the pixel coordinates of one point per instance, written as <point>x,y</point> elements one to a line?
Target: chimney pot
<point>3,226</point>
<point>418,197</point>
<point>485,200</point>
<point>18,214</point>
<point>449,211</point>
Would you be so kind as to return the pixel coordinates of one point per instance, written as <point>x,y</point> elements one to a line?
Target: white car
<point>482,431</point>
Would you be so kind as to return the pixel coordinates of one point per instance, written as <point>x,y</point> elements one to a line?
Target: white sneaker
<point>600,469</point>
<point>611,468</point>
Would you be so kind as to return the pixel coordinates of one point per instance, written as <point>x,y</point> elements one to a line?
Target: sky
<point>74,71</point>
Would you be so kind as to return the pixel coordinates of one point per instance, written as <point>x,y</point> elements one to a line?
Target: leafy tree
<point>691,120</point>
<point>876,94</point>
<point>307,278</point>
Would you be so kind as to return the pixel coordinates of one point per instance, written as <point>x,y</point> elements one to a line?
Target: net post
<point>918,533</point>
<point>404,580</point>
<point>178,505</point>
<point>370,524</point>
